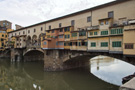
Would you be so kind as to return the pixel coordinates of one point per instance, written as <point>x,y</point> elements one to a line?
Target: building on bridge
<point>105,28</point>
<point>5,27</point>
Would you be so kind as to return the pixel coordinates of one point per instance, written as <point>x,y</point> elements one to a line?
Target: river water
<point>104,74</point>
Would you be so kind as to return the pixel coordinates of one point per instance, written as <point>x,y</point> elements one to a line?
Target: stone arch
<point>83,59</point>
<point>39,40</point>
<point>34,40</point>
<point>28,41</point>
<point>33,55</point>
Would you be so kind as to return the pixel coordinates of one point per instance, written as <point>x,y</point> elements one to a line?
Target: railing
<point>93,27</point>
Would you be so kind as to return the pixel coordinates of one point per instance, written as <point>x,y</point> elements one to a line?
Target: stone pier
<point>130,85</point>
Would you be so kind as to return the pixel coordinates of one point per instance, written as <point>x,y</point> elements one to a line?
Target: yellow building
<point>128,39</point>
<point>5,27</point>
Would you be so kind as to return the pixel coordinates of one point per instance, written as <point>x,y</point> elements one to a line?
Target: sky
<point>28,12</point>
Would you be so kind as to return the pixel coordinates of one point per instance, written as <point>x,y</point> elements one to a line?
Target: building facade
<point>5,27</point>
<point>104,28</point>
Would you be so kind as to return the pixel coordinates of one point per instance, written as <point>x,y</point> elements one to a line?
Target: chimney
<point>18,26</point>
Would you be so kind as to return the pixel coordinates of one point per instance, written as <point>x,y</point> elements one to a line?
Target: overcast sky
<point>28,12</point>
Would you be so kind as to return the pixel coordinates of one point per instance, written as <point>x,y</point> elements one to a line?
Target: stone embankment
<point>130,85</point>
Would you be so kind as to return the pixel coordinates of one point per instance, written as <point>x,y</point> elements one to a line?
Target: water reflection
<point>30,76</point>
<point>110,69</point>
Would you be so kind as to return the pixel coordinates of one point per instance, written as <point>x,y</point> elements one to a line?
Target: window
<point>45,43</point>
<point>72,22</point>
<point>129,46</point>
<point>48,31</point>
<point>82,33</point>
<point>23,32</point>
<point>101,23</point>
<point>93,44</point>
<point>68,28</point>
<point>2,35</point>
<point>104,44</point>
<point>19,33</point>
<point>2,39</point>
<point>28,31</point>
<point>50,27</point>
<point>65,44</point>
<point>7,24</point>
<point>20,39</point>
<point>57,43</point>
<point>116,44</point>
<point>74,34</point>
<point>65,29</point>
<point>4,24</point>
<point>34,30</point>
<point>84,43</point>
<point>61,43</point>
<point>20,44</point>
<point>91,33</point>
<point>59,25</point>
<point>60,36</point>
<point>2,44</point>
<point>41,29</point>
<point>89,19</point>
<point>52,31</point>
<point>68,36</point>
<point>110,14</point>
<point>117,31</point>
<point>65,36</point>
<point>95,33</point>
<point>61,30</point>
<point>106,22</point>
<point>15,34</point>
<point>104,32</point>
<point>6,35</point>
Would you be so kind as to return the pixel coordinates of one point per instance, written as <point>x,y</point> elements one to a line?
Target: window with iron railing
<point>129,46</point>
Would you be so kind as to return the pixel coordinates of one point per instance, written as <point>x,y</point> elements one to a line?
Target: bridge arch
<point>82,59</point>
<point>33,55</point>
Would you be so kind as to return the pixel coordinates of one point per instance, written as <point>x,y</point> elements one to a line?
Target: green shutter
<point>116,44</point>
<point>93,44</point>
<point>79,43</point>
<point>85,43</point>
<point>104,32</point>
<point>104,44</point>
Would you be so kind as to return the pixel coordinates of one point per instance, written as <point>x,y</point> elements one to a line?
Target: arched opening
<point>34,40</point>
<point>28,42</point>
<point>79,61</point>
<point>39,40</point>
<point>34,55</point>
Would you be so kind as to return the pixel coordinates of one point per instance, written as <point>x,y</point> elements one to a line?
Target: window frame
<point>112,14</point>
<point>89,19</point>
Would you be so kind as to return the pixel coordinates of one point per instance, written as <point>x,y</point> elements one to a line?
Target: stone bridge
<point>57,60</point>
